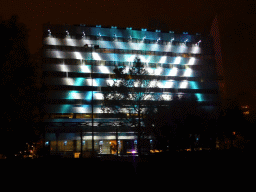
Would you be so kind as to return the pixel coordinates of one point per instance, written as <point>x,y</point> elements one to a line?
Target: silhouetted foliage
<point>18,87</point>
<point>130,94</point>
<point>173,121</point>
<point>234,131</point>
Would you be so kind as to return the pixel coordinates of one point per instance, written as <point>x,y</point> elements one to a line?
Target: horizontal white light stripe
<point>191,61</point>
<point>173,71</point>
<point>184,84</point>
<point>108,137</point>
<point>51,53</point>
<point>85,68</point>
<point>122,45</point>
<point>187,73</point>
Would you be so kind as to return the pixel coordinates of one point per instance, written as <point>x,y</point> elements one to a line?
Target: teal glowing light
<point>168,84</point>
<point>65,108</point>
<point>129,58</point>
<point>79,81</point>
<point>97,82</point>
<point>199,97</point>
<point>88,96</point>
<point>193,85</point>
<point>119,45</point>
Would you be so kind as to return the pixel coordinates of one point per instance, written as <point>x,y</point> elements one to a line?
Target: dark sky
<point>236,19</point>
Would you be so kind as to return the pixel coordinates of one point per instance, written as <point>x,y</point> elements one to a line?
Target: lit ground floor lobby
<point>70,144</point>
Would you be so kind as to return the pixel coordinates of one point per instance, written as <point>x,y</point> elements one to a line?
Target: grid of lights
<point>172,63</point>
<point>130,37</point>
<point>97,56</point>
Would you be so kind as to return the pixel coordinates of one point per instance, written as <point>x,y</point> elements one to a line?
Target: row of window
<point>121,39</point>
<point>56,61</point>
<point>79,115</point>
<point>204,90</point>
<point>99,115</point>
<point>127,51</point>
<point>101,80</point>
<point>123,64</point>
<point>95,102</point>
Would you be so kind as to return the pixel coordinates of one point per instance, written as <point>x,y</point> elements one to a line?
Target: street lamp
<point>86,46</point>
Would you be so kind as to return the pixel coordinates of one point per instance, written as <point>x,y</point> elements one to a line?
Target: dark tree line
<point>175,125</point>
<point>19,88</point>
<point>181,123</point>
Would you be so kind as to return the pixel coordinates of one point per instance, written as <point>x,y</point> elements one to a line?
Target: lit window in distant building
<point>245,109</point>
<point>246,113</point>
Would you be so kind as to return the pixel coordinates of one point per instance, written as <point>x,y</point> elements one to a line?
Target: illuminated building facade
<point>78,61</point>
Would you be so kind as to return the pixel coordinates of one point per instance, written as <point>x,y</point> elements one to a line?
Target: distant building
<point>184,63</point>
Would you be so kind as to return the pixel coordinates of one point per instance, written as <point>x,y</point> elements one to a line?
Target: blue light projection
<point>79,81</point>
<point>106,56</point>
<point>199,97</point>
<point>194,85</point>
<point>168,84</point>
<point>88,96</point>
<point>64,108</point>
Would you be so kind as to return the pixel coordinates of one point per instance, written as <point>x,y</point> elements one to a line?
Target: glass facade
<point>78,63</point>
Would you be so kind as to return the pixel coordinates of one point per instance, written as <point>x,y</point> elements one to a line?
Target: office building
<point>78,63</point>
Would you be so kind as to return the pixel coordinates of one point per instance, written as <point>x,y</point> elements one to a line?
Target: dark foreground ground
<point>183,165</point>
<point>173,172</point>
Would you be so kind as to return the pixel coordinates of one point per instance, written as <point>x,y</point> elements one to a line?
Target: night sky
<point>236,19</point>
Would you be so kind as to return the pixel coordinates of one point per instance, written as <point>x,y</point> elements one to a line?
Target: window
<point>82,116</point>
<point>62,116</point>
